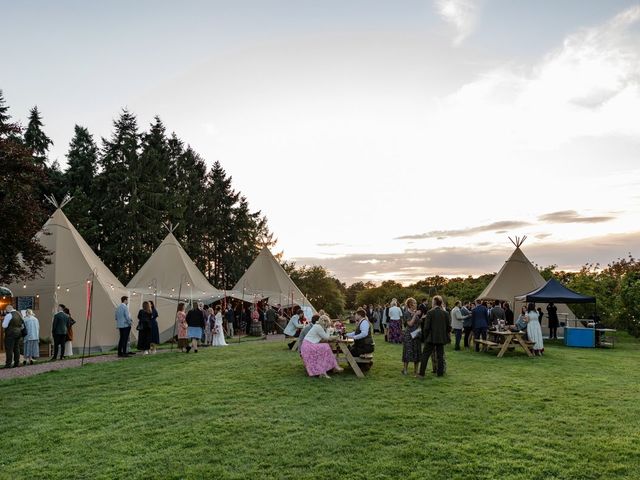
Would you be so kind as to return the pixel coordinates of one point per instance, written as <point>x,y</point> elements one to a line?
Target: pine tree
<point>189,186</point>
<point>153,190</point>
<point>116,198</point>
<point>79,180</point>
<point>36,139</point>
<point>21,256</point>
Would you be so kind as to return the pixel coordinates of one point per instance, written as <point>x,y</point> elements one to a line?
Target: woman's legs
<point>404,369</point>
<point>194,344</point>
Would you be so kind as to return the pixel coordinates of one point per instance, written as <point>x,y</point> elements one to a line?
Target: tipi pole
<point>88,317</point>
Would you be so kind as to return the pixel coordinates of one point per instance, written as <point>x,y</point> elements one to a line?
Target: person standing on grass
<point>59,329</point>
<point>480,322</point>
<point>183,335</point>
<point>228,319</point>
<point>195,323</point>
<point>317,356</point>
<point>155,329</point>
<point>467,323</point>
<point>271,317</point>
<point>497,313</point>
<point>68,344</point>
<point>294,327</point>
<point>209,326</point>
<point>508,314</point>
<point>457,322</point>
<point>534,330</point>
<point>123,324</point>
<point>217,332</point>
<point>394,334</point>
<point>552,313</point>
<point>411,341</point>
<point>435,332</point>
<point>144,328</point>
<point>32,340</point>
<point>12,324</point>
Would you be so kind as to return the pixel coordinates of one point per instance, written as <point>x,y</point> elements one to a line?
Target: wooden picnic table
<point>342,347</point>
<point>508,339</point>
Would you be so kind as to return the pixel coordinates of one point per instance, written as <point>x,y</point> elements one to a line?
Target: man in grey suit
<point>497,313</point>
<point>123,324</point>
<point>435,332</point>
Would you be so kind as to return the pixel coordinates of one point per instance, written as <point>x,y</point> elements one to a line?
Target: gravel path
<point>47,366</point>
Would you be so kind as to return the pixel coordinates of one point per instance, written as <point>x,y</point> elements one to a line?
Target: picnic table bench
<point>507,340</point>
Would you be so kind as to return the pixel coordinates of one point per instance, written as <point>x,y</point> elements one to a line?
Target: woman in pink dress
<point>181,318</point>
<point>316,352</point>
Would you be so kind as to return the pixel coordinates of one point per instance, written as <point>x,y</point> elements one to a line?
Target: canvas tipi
<point>67,280</point>
<point>516,277</point>
<point>266,278</point>
<point>169,276</point>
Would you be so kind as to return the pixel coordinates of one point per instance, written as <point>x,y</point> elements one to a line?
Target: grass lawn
<point>249,411</point>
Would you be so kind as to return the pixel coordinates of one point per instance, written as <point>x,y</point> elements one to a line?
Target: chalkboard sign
<point>22,303</point>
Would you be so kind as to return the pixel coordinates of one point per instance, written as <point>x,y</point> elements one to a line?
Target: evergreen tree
<point>153,191</point>
<point>21,256</point>
<point>116,198</point>
<point>36,139</point>
<point>189,186</point>
<point>79,180</point>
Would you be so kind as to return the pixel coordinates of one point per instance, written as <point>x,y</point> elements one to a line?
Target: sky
<point>383,140</point>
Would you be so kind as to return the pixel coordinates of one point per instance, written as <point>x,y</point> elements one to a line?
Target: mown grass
<point>248,411</point>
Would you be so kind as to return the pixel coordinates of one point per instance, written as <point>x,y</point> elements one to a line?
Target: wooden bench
<point>486,344</point>
<point>365,360</point>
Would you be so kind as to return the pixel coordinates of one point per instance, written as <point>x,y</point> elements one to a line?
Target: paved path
<point>47,366</point>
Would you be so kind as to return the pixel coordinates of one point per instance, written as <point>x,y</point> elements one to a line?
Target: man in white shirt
<point>363,335</point>
<point>293,327</point>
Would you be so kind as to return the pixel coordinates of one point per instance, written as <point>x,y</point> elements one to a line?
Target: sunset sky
<point>381,139</point>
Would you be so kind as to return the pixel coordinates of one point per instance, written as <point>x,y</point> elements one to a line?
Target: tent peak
<point>518,241</point>
<point>170,226</point>
<point>59,205</point>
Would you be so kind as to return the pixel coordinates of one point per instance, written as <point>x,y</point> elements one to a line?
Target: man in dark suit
<point>497,313</point>
<point>480,322</point>
<point>435,332</point>
<point>508,314</point>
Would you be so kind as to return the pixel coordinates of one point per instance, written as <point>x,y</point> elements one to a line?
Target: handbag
<point>416,333</point>
<point>24,332</point>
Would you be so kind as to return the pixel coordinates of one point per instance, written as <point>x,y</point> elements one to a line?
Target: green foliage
<point>322,290</point>
<point>248,411</point>
<point>35,138</point>
<point>386,291</point>
<point>21,255</point>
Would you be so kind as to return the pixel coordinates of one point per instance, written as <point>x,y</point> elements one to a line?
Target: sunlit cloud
<point>467,232</point>
<point>571,216</point>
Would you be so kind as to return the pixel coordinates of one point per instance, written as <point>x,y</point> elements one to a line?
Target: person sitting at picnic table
<point>317,355</point>
<point>307,328</point>
<point>534,330</point>
<point>363,336</point>
<point>294,327</point>
<point>521,322</point>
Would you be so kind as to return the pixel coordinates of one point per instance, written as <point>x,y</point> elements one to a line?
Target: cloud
<point>329,244</point>
<point>412,265</point>
<point>588,87</point>
<point>571,216</point>
<point>499,227</point>
<point>461,14</point>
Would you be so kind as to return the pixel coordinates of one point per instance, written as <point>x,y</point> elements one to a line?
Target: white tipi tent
<point>169,276</point>
<point>518,276</point>
<point>266,278</point>
<point>66,280</point>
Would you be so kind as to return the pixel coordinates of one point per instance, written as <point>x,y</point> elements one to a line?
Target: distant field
<point>249,411</point>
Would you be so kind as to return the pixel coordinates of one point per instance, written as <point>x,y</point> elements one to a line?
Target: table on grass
<point>509,339</point>
<point>342,348</point>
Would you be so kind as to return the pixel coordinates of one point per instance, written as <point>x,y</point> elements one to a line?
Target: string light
<point>58,287</point>
<point>37,295</point>
<point>67,290</point>
<point>88,282</point>
<point>24,286</point>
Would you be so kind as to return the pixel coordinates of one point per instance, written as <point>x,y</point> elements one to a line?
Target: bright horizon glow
<point>421,137</point>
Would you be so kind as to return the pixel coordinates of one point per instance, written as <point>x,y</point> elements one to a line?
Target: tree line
<point>124,188</point>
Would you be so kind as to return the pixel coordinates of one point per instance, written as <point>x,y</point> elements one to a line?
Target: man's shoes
<point>188,349</point>
<point>195,351</point>
<point>122,355</point>
<point>420,377</point>
<point>24,362</point>
<point>53,359</point>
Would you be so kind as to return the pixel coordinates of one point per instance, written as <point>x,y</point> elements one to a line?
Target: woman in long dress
<point>68,344</point>
<point>394,332</point>
<point>144,328</point>
<point>31,341</point>
<point>155,329</point>
<point>217,332</point>
<point>534,330</point>
<point>411,343</point>
<point>183,335</point>
<point>317,356</point>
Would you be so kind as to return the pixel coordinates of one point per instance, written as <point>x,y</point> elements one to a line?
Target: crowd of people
<point>421,328</point>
